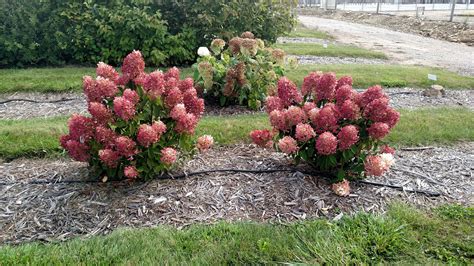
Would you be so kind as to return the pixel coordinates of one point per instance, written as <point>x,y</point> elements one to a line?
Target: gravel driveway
<point>401,47</point>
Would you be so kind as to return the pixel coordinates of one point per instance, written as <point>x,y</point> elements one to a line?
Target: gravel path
<point>402,47</point>
<point>60,211</point>
<point>400,98</point>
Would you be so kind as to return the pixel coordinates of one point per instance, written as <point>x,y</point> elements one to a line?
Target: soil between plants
<point>56,212</point>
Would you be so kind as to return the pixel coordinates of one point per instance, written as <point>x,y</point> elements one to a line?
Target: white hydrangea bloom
<point>387,159</point>
<point>203,51</point>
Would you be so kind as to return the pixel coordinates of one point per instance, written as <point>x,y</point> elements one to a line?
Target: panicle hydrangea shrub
<point>331,127</point>
<point>244,72</point>
<point>140,123</point>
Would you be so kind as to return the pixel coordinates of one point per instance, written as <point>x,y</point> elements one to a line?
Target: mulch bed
<point>76,103</point>
<point>56,212</point>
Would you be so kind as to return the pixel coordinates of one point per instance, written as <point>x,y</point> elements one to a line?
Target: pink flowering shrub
<point>242,71</point>
<point>140,123</point>
<point>331,126</point>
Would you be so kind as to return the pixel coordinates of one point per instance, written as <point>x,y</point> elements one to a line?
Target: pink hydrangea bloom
<point>133,64</point>
<point>109,157</point>
<point>186,84</point>
<point>288,92</point>
<point>107,71</point>
<point>173,97</point>
<point>171,83</point>
<point>378,130</point>
<point>168,156</point>
<point>348,136</point>
<point>159,127</point>
<point>63,139</point>
<point>326,144</point>
<point>387,149</point>
<point>131,95</point>
<point>100,112</point>
<point>81,128</point>
<point>326,87</point>
<point>261,137</point>
<point>343,81</point>
<point>326,119</point>
<point>349,110</point>
<point>277,120</point>
<point>374,166</point>
<point>140,79</point>
<point>186,124</point>
<point>172,73</point>
<point>341,188</point>
<point>105,136</point>
<point>344,93</point>
<point>273,103</point>
<point>304,132</point>
<point>308,106</point>
<point>205,142</point>
<point>391,117</point>
<point>178,112</point>
<point>124,108</point>
<point>77,150</point>
<point>147,135</point>
<point>130,172</point>
<point>372,93</point>
<point>295,115</point>
<point>122,80</point>
<point>126,146</point>
<point>98,89</point>
<point>192,103</point>
<point>310,82</point>
<point>376,110</point>
<point>288,145</point>
<point>154,84</point>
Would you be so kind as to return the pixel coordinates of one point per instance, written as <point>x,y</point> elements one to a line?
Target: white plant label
<point>325,45</point>
<point>432,77</point>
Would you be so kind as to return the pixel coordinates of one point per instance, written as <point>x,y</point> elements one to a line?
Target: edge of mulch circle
<point>60,211</point>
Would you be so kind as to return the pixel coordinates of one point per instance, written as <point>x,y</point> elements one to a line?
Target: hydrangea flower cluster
<point>331,126</point>
<point>140,123</point>
<point>242,73</point>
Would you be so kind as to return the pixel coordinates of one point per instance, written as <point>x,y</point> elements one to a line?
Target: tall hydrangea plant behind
<point>140,123</point>
<point>243,72</point>
<point>331,127</point>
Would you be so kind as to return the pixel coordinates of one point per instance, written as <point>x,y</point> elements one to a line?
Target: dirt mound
<point>437,29</point>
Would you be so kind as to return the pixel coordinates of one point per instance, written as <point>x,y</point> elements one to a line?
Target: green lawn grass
<point>39,137</point>
<point>388,75</point>
<point>50,79</point>
<point>331,50</point>
<point>70,78</point>
<point>404,235</point>
<point>301,31</point>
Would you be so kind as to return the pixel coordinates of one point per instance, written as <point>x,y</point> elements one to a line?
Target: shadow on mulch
<point>56,212</point>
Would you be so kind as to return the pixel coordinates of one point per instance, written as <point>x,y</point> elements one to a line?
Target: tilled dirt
<point>59,211</point>
<point>437,29</point>
<point>400,47</point>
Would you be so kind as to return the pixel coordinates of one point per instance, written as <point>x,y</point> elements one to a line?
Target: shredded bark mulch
<point>55,104</point>
<point>59,211</point>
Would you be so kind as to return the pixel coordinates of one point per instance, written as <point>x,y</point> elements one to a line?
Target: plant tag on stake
<point>325,45</point>
<point>432,77</point>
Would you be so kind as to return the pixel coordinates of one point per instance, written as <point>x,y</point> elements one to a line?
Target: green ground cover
<point>331,50</point>
<point>70,78</point>
<point>440,126</point>
<point>404,235</point>
<point>300,31</point>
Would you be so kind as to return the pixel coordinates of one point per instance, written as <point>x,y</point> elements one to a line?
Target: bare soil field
<point>400,47</point>
<point>437,29</point>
